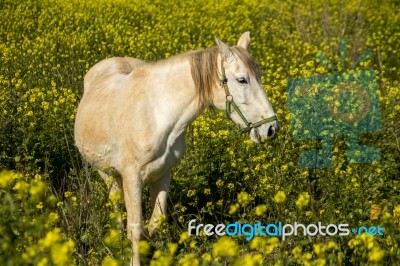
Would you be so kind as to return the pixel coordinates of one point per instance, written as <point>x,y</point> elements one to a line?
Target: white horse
<point>132,118</point>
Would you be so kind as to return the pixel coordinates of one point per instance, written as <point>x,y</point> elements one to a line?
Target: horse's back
<point>107,68</point>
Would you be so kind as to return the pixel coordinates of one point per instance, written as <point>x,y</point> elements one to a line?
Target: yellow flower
<point>225,247</point>
<point>43,262</point>
<point>272,243</point>
<point>191,193</point>
<point>243,198</point>
<point>320,262</point>
<point>172,248</point>
<point>258,243</point>
<point>6,177</point>
<point>386,216</point>
<point>261,209</point>
<point>51,237</point>
<point>303,200</point>
<point>108,261</point>
<point>297,252</point>
<point>112,239</point>
<point>332,245</point>
<point>376,254</point>
<point>396,212</point>
<point>250,260</point>
<point>353,243</point>
<point>219,183</point>
<point>280,197</point>
<point>306,257</point>
<point>29,253</point>
<point>233,208</point>
<point>21,187</point>
<point>189,260</point>
<point>310,63</point>
<point>368,240</point>
<point>144,247</point>
<point>304,173</point>
<point>37,188</point>
<point>284,167</point>
<point>52,218</point>
<point>319,249</point>
<point>184,236</point>
<point>206,257</point>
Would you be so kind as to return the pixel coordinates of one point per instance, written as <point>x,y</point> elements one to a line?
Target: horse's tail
<point>107,68</point>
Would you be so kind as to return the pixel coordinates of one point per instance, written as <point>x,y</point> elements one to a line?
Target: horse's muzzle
<point>264,132</point>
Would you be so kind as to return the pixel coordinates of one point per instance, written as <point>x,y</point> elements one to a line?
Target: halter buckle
<point>223,81</point>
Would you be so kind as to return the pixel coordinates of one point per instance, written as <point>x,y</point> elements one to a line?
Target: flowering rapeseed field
<point>54,208</point>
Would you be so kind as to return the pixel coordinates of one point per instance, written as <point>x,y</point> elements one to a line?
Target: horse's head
<point>242,95</point>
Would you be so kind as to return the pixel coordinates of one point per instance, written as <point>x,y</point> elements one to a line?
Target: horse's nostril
<point>271,132</point>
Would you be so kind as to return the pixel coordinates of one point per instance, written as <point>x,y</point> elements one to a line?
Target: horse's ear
<point>224,50</point>
<point>244,40</point>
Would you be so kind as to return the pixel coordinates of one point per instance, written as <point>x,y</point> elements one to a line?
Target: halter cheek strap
<point>230,103</point>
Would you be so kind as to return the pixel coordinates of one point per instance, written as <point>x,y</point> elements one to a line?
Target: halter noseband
<point>231,103</point>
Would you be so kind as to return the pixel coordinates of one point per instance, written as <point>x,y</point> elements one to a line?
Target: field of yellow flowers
<point>54,207</point>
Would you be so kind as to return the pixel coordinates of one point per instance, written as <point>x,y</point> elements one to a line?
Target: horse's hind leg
<point>159,196</point>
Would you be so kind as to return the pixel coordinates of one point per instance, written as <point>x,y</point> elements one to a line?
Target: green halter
<point>231,103</point>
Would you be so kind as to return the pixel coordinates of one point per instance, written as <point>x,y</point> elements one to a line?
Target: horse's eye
<point>242,80</point>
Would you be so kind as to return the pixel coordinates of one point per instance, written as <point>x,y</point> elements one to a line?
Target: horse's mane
<point>204,70</point>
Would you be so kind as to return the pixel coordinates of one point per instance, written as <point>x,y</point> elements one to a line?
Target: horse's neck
<point>175,99</point>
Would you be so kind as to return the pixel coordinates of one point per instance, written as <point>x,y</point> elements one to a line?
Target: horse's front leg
<point>159,196</point>
<point>132,187</point>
